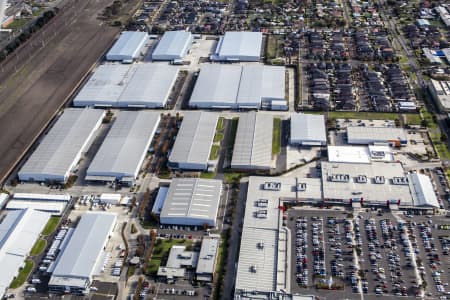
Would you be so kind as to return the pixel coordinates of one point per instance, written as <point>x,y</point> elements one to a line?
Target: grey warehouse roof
<point>173,45</point>
<point>236,86</point>
<point>79,260</point>
<point>194,140</point>
<point>61,148</point>
<point>126,144</point>
<point>366,135</point>
<point>192,201</point>
<point>128,46</point>
<point>132,85</point>
<point>253,145</point>
<point>239,45</point>
<point>207,257</point>
<point>308,129</point>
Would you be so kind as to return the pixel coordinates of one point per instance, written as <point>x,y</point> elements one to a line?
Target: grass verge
<point>51,226</point>
<point>413,119</point>
<point>214,154</point>
<point>38,247</point>
<point>276,142</point>
<point>362,115</point>
<point>219,124</point>
<point>23,274</point>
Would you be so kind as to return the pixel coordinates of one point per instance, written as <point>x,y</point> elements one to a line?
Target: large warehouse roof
<point>422,190</point>
<point>61,148</point>
<point>308,130</point>
<point>239,46</point>
<point>79,260</point>
<point>369,135</point>
<point>236,86</point>
<point>51,207</point>
<point>349,154</point>
<point>192,201</point>
<point>128,46</point>
<point>134,85</point>
<point>253,145</point>
<point>125,146</point>
<point>173,45</point>
<point>377,182</point>
<point>194,140</point>
<point>18,233</point>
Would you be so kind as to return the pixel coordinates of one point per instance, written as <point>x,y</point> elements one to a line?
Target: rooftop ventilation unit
<point>261,214</point>
<point>301,187</point>
<point>379,180</point>
<point>361,179</point>
<point>262,203</point>
<point>340,178</point>
<point>400,181</point>
<point>272,186</point>
<point>260,245</point>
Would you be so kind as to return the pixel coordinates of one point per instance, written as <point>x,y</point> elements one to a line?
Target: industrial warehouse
<point>81,258</point>
<point>362,135</point>
<point>128,47</point>
<point>254,136</point>
<point>238,46</point>
<point>194,140</point>
<point>239,87</point>
<point>141,85</point>
<point>121,155</point>
<point>308,130</point>
<point>192,202</point>
<point>174,45</point>
<point>52,204</point>
<point>18,232</point>
<point>61,149</point>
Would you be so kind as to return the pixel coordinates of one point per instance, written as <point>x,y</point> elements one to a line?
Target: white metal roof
<point>173,45</point>
<point>239,45</point>
<point>192,198</point>
<point>4,197</point>
<point>59,150</point>
<point>217,85</point>
<point>126,144</point>
<point>349,154</point>
<point>128,46</point>
<point>422,190</point>
<point>117,85</point>
<point>195,138</point>
<point>38,197</point>
<point>18,233</point>
<point>308,129</point>
<point>79,260</point>
<point>234,86</point>
<point>253,144</point>
<point>207,257</point>
<point>52,207</point>
<point>375,134</point>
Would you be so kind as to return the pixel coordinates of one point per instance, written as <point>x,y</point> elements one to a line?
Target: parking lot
<point>368,254</point>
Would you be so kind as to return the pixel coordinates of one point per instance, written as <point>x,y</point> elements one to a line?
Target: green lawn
<point>51,226</point>
<point>413,119</point>
<point>208,175</point>
<point>17,24</point>
<point>220,124</point>
<point>23,274</point>
<point>214,154</point>
<point>218,137</point>
<point>38,247</point>
<point>276,142</point>
<point>429,118</point>
<point>232,177</point>
<point>362,115</point>
<point>161,252</point>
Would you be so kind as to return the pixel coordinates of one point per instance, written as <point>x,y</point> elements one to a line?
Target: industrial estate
<point>270,150</point>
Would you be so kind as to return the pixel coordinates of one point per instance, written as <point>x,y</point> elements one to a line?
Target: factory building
<point>128,47</point>
<point>362,135</point>
<point>174,45</point>
<point>53,204</point>
<point>253,144</point>
<point>239,46</point>
<point>207,259</point>
<point>194,141</point>
<point>142,85</point>
<point>81,258</point>
<point>121,155</point>
<point>239,87</point>
<point>62,147</point>
<point>19,230</point>
<point>422,191</point>
<point>192,202</point>
<point>440,90</point>
<point>308,130</point>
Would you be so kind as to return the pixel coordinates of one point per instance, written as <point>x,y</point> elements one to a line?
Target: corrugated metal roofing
<point>144,84</point>
<point>173,45</point>
<point>207,257</point>
<point>55,208</point>
<point>160,199</point>
<point>240,45</point>
<point>422,190</point>
<point>128,46</point>
<point>194,139</point>
<point>37,197</point>
<point>253,145</point>
<point>59,150</point>
<point>126,144</point>
<point>308,129</point>
<point>192,201</point>
<point>80,257</point>
<point>362,134</point>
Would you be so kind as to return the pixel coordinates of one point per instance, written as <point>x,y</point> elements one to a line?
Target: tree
<point>444,138</point>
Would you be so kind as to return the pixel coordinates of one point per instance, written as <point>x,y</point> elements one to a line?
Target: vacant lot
<point>49,67</point>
